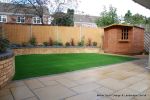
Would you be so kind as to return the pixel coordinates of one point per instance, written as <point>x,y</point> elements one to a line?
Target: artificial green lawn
<point>28,66</point>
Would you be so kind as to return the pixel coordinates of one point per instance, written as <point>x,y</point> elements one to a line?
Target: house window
<point>125,34</point>
<point>3,18</point>
<point>36,20</point>
<point>20,19</point>
<point>50,19</point>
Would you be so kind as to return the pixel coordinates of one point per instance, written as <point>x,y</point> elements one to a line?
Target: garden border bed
<point>6,55</point>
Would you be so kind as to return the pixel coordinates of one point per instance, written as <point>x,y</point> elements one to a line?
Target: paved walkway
<point>126,81</point>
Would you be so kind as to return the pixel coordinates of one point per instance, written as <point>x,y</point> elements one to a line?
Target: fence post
<point>80,33</point>
<point>31,31</point>
<point>57,33</point>
<point>2,31</point>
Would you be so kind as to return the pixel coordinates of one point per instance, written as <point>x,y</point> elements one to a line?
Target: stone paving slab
<point>92,84</point>
<point>21,92</point>
<point>54,93</point>
<point>86,87</point>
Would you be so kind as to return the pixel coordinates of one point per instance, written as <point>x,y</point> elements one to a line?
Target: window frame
<point>3,17</point>
<point>125,33</point>
<point>20,19</point>
<point>36,19</point>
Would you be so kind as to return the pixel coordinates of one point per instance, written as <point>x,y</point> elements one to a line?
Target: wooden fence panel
<point>65,34</point>
<point>19,33</point>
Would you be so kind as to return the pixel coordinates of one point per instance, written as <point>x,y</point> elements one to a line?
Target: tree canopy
<point>107,17</point>
<point>64,19</point>
<point>39,6</point>
<point>136,19</point>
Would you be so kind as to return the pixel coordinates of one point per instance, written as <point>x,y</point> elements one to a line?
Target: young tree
<point>107,17</point>
<point>40,6</point>
<point>128,17</point>
<point>64,19</point>
<point>136,19</point>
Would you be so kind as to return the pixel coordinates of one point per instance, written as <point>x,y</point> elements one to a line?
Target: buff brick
<point>1,66</point>
<point>6,71</point>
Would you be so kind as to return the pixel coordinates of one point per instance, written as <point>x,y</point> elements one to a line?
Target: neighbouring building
<point>6,1</point>
<point>123,39</point>
<point>26,14</point>
<point>85,20</point>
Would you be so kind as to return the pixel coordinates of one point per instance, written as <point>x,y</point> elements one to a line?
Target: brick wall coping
<point>6,55</point>
<point>28,47</point>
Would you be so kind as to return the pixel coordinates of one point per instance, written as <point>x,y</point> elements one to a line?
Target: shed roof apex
<point>126,25</point>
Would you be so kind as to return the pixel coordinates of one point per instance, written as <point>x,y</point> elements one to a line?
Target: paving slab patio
<point>125,81</point>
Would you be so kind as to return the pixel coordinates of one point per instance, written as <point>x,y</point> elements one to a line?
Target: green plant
<point>57,43</point>
<point>4,43</point>
<point>89,42</point>
<point>72,42</point>
<point>107,17</point>
<point>81,43</point>
<point>50,41</point>
<point>145,52</point>
<point>45,43</point>
<point>60,44</point>
<point>32,41</point>
<point>94,43</point>
<point>67,44</point>
<point>24,44</point>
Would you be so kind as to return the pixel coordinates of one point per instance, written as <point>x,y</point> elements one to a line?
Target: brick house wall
<point>28,19</point>
<point>9,14</point>
<point>114,44</point>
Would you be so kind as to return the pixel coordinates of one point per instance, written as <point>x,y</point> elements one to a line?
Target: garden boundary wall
<point>26,51</point>
<point>7,69</point>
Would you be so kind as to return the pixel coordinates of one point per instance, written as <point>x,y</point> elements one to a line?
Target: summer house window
<point>125,33</point>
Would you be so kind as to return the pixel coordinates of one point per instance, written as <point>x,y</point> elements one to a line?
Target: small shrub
<point>24,44</point>
<point>4,43</point>
<point>94,43</point>
<point>45,43</point>
<point>145,52</point>
<point>50,41</point>
<point>67,44</point>
<point>14,45</point>
<point>81,43</point>
<point>32,41</point>
<point>72,42</point>
<point>56,43</point>
<point>60,44</point>
<point>89,42</point>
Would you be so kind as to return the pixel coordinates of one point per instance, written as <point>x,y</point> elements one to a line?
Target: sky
<point>94,7</point>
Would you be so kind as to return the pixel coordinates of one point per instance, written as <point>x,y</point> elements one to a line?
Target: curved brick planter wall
<point>7,68</point>
<point>23,51</point>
